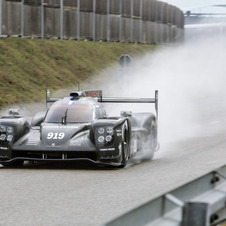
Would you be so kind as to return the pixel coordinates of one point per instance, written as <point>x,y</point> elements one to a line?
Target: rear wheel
<point>152,140</point>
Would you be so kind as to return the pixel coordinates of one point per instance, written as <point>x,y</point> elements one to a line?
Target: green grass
<point>28,67</point>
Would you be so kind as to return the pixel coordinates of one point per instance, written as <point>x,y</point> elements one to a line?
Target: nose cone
<point>57,135</point>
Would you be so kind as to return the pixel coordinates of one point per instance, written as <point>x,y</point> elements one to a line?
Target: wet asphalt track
<point>80,195</point>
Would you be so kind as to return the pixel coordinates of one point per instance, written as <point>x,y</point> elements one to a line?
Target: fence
<point>140,21</point>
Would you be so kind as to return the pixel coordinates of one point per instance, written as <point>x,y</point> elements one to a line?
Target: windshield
<point>70,114</point>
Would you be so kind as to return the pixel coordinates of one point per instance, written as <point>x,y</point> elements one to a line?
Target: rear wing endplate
<point>50,99</point>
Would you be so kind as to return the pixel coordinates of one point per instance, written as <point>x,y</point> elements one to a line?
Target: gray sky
<point>198,4</point>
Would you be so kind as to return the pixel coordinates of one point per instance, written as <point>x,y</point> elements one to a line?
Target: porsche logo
<point>53,144</point>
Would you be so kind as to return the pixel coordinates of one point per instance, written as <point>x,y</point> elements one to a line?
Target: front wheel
<point>124,145</point>
<point>124,156</point>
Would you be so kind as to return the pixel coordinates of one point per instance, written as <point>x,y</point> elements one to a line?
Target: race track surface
<point>56,194</point>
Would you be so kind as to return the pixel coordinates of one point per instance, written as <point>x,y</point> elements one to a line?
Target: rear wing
<point>97,94</point>
<point>132,100</point>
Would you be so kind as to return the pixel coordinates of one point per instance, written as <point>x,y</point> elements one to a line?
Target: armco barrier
<point>105,20</point>
<point>201,202</point>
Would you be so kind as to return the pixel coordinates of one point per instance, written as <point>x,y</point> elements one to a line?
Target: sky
<point>186,5</point>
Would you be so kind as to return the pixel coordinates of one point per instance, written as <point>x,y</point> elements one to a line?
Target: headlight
<point>109,130</point>
<point>9,138</point>
<point>101,130</point>
<point>2,129</point>
<point>104,135</point>
<point>101,139</point>
<point>6,133</point>
<point>9,129</point>
<point>2,137</point>
<point>108,138</point>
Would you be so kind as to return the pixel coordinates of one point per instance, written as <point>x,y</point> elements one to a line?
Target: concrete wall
<point>145,21</point>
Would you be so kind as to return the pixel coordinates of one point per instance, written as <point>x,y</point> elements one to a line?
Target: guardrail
<point>201,202</point>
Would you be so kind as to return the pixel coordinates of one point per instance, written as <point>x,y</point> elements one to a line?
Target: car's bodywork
<point>78,128</point>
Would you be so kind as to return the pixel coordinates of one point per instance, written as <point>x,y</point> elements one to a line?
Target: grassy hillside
<point>28,67</point>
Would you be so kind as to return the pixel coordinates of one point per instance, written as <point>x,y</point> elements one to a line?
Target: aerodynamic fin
<point>50,99</point>
<point>132,100</point>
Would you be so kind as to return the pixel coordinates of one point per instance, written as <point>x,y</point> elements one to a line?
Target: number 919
<point>55,136</point>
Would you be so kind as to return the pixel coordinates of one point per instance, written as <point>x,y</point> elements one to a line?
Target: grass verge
<point>28,67</point>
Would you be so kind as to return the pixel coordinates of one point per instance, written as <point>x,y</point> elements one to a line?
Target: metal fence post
<point>141,21</point>
<point>0,17</point>
<point>94,20</point>
<point>162,29</point>
<point>156,24</point>
<point>120,21</point>
<point>108,21</point>
<point>42,19</point>
<point>131,21</point>
<point>78,20</point>
<point>61,18</point>
<point>22,19</point>
<point>149,30</point>
<point>167,23</point>
<point>195,214</point>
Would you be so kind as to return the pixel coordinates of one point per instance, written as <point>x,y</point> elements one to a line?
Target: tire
<point>125,145</point>
<point>124,157</point>
<point>13,164</point>
<point>152,140</point>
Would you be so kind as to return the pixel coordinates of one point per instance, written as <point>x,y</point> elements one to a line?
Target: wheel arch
<point>143,120</point>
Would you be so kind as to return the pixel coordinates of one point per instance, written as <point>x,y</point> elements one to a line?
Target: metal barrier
<point>96,20</point>
<point>201,202</point>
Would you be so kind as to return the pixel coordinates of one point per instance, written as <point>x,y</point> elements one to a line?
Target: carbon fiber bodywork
<point>73,129</point>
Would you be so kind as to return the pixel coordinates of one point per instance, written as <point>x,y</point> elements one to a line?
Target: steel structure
<point>201,202</point>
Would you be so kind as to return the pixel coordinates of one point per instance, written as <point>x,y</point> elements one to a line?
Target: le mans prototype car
<point>78,128</point>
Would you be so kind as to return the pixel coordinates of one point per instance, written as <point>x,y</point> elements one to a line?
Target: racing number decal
<point>55,136</point>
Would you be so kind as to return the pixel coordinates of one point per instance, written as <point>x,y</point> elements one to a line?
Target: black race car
<point>78,128</point>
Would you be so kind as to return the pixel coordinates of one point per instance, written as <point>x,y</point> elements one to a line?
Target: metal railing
<point>201,202</point>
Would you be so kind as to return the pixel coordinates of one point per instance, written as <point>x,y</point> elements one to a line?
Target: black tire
<point>17,163</point>
<point>125,145</point>
<point>152,140</point>
<point>124,157</point>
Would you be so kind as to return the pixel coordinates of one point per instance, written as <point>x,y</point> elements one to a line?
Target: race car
<point>77,128</point>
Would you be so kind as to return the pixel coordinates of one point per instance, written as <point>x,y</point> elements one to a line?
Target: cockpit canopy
<point>69,110</point>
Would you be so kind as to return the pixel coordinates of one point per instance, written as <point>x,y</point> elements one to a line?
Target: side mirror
<point>38,119</point>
